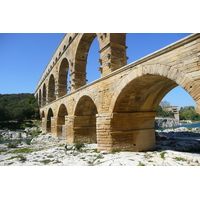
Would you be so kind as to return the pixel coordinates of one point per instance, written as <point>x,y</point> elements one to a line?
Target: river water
<point>194,125</point>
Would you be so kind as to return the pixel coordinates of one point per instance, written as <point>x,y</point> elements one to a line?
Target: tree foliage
<point>189,113</point>
<point>186,113</point>
<point>162,113</point>
<point>18,107</point>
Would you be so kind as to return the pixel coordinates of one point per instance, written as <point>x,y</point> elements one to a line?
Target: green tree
<point>189,113</point>
<point>18,107</point>
<point>162,113</point>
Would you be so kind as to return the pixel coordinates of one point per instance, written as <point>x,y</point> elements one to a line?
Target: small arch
<point>85,121</point>
<point>62,112</point>
<point>43,114</point>
<point>49,123</point>
<point>51,89</point>
<point>62,77</point>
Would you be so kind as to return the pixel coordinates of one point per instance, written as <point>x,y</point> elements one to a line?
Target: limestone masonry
<point>118,110</point>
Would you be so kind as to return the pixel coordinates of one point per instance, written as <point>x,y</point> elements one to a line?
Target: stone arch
<point>146,96</point>
<point>81,54</point>
<point>51,89</point>
<point>49,120</point>
<point>44,94</point>
<point>173,75</point>
<point>62,112</point>
<point>135,103</point>
<point>43,114</point>
<point>62,78</point>
<point>85,121</point>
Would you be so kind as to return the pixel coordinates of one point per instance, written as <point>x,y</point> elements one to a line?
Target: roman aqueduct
<point>116,111</point>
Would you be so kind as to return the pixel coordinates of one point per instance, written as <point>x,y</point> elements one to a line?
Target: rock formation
<point>166,122</point>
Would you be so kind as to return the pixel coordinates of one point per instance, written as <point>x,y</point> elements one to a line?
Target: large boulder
<point>166,122</point>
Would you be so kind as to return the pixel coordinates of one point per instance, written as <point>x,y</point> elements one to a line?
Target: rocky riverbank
<point>166,122</point>
<point>47,150</point>
<point>27,133</point>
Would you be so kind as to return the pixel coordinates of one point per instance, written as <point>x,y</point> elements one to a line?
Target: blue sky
<point>23,58</point>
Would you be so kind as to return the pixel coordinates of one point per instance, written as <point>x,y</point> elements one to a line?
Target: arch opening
<point>51,89</point>
<point>43,114</point>
<point>134,112</point>
<point>79,76</point>
<point>63,78</point>
<point>49,121</point>
<point>61,130</point>
<point>85,121</point>
<point>92,65</point>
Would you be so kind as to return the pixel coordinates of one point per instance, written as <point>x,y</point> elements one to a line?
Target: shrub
<point>79,145</point>
<point>12,145</point>
<point>35,133</point>
<point>162,155</point>
<point>180,159</point>
<point>22,158</point>
<point>95,151</point>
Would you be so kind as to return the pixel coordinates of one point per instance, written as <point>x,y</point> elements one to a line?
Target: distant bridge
<point>118,110</point>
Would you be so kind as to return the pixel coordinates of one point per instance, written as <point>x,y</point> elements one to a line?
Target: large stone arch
<point>170,76</point>
<point>136,100</point>
<point>62,78</point>
<point>51,89</point>
<point>85,121</point>
<point>78,77</point>
<point>62,113</point>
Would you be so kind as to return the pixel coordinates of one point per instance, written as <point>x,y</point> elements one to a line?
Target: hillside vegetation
<point>18,107</point>
<point>189,113</point>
